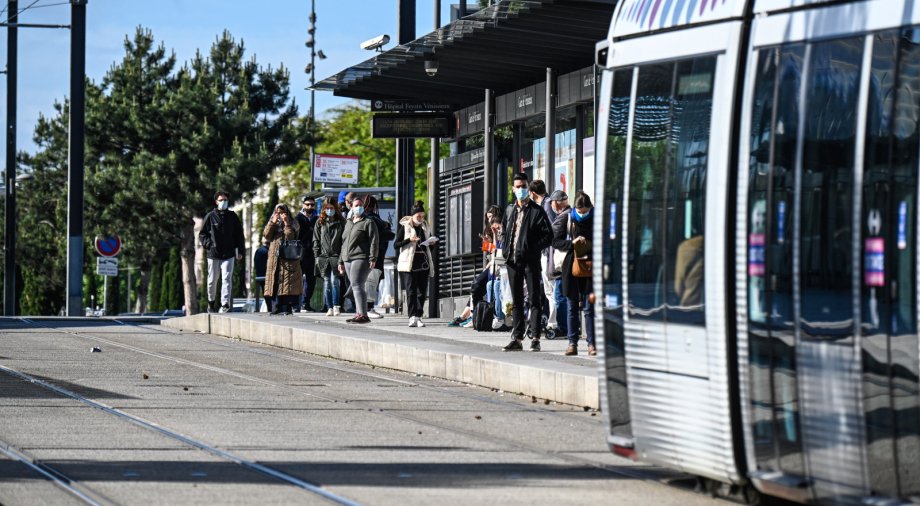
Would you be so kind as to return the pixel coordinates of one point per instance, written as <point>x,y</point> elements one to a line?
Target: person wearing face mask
<point>572,232</point>
<point>306,219</point>
<point>222,237</point>
<point>283,278</point>
<point>415,260</point>
<point>385,235</point>
<point>360,246</point>
<point>526,232</point>
<point>327,247</point>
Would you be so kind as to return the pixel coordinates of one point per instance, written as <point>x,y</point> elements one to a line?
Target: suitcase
<point>483,314</point>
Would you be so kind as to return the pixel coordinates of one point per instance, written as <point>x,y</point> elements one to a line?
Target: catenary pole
<point>75,160</point>
<point>9,225</point>
<point>434,201</point>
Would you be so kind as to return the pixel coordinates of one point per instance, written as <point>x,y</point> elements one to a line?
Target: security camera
<point>375,43</point>
<point>431,67</point>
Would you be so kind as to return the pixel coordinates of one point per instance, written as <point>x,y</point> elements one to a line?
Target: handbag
<point>291,250</point>
<point>581,263</point>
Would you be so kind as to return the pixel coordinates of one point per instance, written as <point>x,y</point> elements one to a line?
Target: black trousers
<point>532,274</point>
<point>416,291</point>
<point>479,287</point>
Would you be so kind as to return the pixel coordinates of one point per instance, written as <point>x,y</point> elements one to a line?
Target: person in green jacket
<point>360,246</point>
<point>327,248</point>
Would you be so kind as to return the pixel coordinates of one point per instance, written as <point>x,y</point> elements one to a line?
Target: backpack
<point>483,314</point>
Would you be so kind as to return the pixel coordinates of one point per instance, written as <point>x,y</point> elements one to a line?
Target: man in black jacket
<point>306,218</point>
<point>222,237</point>
<point>526,232</point>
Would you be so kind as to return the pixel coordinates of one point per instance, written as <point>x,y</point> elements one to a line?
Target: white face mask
<point>223,205</point>
<point>329,212</point>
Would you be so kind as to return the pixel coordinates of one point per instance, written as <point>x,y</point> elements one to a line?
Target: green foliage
<point>171,294</point>
<point>153,295</point>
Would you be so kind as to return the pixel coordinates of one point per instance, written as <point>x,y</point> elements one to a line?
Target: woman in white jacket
<point>415,260</point>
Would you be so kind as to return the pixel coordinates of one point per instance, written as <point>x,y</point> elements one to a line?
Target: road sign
<point>406,125</point>
<point>107,266</point>
<point>336,169</point>
<point>108,246</point>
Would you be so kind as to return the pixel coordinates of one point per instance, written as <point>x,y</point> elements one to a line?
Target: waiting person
<point>327,247</point>
<point>412,242</point>
<point>386,234</point>
<point>494,270</point>
<point>558,204</point>
<point>283,277</point>
<point>306,220</point>
<point>260,264</point>
<point>571,236</point>
<point>526,232</point>
<point>360,244</point>
<point>478,287</point>
<point>222,238</point>
<point>538,194</point>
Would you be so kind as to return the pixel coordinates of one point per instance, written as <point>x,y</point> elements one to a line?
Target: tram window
<point>827,188</point>
<point>667,190</point>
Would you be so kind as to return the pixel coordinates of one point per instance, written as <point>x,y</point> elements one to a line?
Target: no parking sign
<point>108,246</point>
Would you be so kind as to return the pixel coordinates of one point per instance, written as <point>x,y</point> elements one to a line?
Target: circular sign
<point>108,246</point>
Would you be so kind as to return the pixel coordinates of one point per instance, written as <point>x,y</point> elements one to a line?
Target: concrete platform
<point>451,353</point>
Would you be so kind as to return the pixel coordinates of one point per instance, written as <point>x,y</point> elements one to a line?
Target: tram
<point>758,296</point>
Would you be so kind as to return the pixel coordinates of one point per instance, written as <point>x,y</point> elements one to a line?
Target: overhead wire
<point>28,7</point>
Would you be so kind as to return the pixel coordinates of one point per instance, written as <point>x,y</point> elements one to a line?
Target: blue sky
<point>273,30</point>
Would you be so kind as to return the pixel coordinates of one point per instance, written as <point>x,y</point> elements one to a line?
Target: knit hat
<point>342,196</point>
<point>419,207</point>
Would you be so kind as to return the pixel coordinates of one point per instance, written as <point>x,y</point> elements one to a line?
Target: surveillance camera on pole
<point>375,43</point>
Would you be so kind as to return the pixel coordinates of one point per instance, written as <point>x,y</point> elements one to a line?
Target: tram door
<point>831,265</point>
<point>888,292</point>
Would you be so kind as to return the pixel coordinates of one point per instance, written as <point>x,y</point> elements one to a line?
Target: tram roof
<point>502,47</point>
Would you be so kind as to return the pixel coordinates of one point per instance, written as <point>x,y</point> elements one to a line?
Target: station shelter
<point>521,81</point>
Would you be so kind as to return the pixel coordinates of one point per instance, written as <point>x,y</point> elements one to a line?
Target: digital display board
<point>412,125</point>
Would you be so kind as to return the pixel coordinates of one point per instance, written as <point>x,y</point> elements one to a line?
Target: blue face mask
<point>357,211</point>
<point>330,212</point>
<point>580,217</point>
<point>521,193</point>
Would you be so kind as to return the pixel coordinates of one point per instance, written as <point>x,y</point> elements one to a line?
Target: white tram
<point>758,164</point>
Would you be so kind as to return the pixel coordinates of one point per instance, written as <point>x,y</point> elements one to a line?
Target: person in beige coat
<point>283,278</point>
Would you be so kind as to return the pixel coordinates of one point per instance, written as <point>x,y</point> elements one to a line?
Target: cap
<point>558,195</point>
<point>305,198</point>
<point>342,196</point>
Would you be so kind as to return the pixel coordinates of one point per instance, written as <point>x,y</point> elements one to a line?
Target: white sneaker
<point>330,312</point>
<point>418,322</point>
<point>336,310</point>
<point>374,314</point>
<point>497,323</point>
<point>413,321</point>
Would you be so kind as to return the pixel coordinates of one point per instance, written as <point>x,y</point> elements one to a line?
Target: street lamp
<point>356,142</point>
<point>310,69</point>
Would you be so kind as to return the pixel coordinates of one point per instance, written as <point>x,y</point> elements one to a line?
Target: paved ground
<point>209,412</point>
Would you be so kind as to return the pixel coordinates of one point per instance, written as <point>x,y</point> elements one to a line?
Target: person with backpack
<point>572,232</point>
<point>412,241</point>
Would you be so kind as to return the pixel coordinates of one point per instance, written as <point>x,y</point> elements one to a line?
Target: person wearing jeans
<point>571,233</point>
<point>327,248</point>
<point>360,244</point>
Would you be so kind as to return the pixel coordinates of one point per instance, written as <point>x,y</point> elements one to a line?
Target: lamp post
<point>356,142</point>
<point>311,71</point>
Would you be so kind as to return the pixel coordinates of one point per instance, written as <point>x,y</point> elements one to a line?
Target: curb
<point>514,373</point>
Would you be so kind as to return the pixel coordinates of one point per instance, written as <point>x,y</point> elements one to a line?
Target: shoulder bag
<point>581,264</point>
<point>291,250</point>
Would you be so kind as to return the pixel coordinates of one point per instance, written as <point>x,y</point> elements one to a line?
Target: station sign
<point>409,106</point>
<point>108,246</point>
<point>341,169</point>
<point>107,266</point>
<point>409,125</point>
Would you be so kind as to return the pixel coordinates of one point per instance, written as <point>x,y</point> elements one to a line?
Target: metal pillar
<point>312,93</point>
<point>405,148</point>
<point>549,158</point>
<point>579,182</point>
<point>9,226</point>
<point>434,198</point>
<point>488,152</point>
<point>75,159</point>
